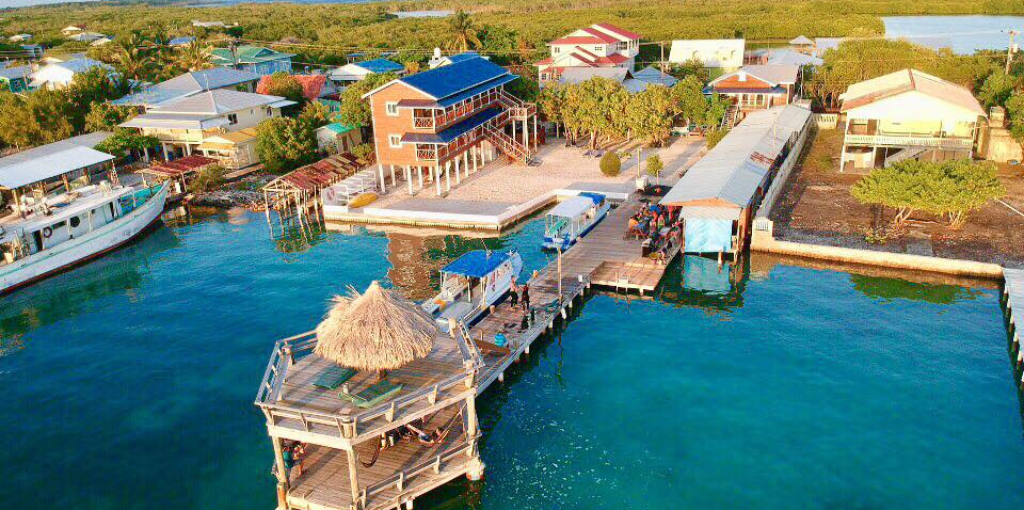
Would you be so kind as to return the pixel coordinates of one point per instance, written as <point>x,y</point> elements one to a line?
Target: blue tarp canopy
<point>476,264</point>
<point>597,198</point>
<point>704,235</point>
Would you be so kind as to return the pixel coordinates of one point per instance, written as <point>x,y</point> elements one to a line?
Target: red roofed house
<point>757,87</point>
<point>313,86</point>
<point>600,45</point>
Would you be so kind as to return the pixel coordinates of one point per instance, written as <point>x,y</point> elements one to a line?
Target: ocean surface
<point>967,33</point>
<point>128,383</point>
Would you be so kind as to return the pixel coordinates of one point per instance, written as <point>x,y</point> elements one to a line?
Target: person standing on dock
<point>525,298</point>
<point>513,294</point>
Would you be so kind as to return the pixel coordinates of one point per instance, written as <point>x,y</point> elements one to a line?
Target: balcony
<point>910,140</point>
<point>436,119</point>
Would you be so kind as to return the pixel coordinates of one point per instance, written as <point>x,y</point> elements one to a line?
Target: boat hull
<point>64,256</point>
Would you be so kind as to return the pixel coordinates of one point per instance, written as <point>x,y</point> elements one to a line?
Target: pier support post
<point>393,181</point>
<point>448,176</point>
<point>465,162</point>
<point>501,376</point>
<point>475,469</point>
<point>380,172</point>
<point>408,177</point>
<point>353,477</point>
<point>458,175</point>
<point>437,178</point>
<point>419,172</point>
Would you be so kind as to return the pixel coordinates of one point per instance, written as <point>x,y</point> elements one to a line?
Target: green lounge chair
<point>373,395</point>
<point>333,376</point>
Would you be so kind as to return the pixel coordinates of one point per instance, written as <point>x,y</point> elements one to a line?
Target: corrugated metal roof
<point>451,79</point>
<point>790,57</point>
<point>906,80</point>
<point>46,162</point>
<point>652,75</point>
<point>218,102</point>
<point>574,75</point>
<point>381,66</point>
<point>17,72</point>
<point>711,213</point>
<point>734,169</point>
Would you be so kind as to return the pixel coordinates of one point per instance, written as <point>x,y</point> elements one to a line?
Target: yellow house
<point>907,114</point>
<point>234,149</point>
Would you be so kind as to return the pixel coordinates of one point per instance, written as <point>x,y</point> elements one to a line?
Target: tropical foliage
<point>285,143</point>
<point>611,165</point>
<point>355,111</point>
<point>950,189</point>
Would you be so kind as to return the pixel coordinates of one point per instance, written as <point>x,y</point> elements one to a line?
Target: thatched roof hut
<point>375,331</point>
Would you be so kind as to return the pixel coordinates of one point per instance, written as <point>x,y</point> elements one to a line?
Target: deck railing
<point>348,426</point>
<point>434,465</point>
<point>910,140</point>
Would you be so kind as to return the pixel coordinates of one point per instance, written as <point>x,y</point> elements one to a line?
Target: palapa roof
<point>375,330</point>
<point>801,41</point>
<point>317,175</point>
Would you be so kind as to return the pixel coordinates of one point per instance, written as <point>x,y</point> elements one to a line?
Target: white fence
<point>826,120</point>
<point>761,221</point>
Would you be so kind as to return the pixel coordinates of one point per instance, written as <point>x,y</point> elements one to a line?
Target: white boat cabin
<point>472,283</point>
<point>572,219</point>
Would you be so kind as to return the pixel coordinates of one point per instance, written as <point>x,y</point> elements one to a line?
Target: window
<point>232,119</point>
<point>392,108</point>
<point>598,48</point>
<point>395,141</point>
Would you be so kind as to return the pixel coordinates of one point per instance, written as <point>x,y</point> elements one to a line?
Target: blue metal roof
<point>483,87</point>
<point>380,66</point>
<point>476,264</point>
<point>453,132</point>
<point>181,41</point>
<point>462,57</point>
<point>447,81</point>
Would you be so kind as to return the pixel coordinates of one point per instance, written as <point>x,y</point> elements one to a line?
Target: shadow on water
<point>81,289</point>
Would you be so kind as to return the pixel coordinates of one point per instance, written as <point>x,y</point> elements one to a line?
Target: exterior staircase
<point>729,119</point>
<point>903,155</point>
<point>511,148</point>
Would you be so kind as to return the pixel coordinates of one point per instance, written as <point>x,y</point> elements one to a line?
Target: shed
<point>718,192</point>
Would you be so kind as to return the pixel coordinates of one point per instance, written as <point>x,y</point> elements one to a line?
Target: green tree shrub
<point>611,165</point>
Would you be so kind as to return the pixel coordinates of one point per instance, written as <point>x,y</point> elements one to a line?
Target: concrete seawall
<point>763,241</point>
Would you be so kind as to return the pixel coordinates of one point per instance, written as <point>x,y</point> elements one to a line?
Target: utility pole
<point>1010,50</point>
<point>664,65</point>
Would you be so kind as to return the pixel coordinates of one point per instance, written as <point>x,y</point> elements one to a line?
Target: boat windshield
<point>555,225</point>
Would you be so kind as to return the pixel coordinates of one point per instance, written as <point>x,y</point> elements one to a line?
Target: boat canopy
<point>573,207</point>
<point>596,197</point>
<point>476,264</point>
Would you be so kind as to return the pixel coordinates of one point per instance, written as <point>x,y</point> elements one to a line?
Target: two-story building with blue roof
<point>444,123</point>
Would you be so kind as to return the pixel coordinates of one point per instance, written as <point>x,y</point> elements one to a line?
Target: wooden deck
<point>400,473</point>
<point>1014,291</point>
<point>298,410</point>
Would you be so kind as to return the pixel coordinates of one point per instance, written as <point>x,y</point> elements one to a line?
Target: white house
<point>87,37</point>
<point>61,74</point>
<point>20,38</point>
<point>599,45</point>
<point>70,30</point>
<point>724,55</point>
<point>357,71</point>
<point>907,114</point>
<point>186,124</point>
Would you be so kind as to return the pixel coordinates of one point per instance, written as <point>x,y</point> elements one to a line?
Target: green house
<point>16,79</point>
<point>255,59</point>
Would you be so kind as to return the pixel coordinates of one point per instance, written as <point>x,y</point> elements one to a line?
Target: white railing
<point>909,140</point>
<point>761,221</point>
<point>826,120</point>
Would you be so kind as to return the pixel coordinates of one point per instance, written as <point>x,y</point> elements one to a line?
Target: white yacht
<point>56,232</point>
<point>572,219</point>
<point>471,284</point>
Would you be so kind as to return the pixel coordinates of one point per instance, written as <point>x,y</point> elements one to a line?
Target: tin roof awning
<point>43,167</point>
<point>157,120</point>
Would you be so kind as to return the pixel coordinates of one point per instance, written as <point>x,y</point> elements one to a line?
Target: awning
<point>572,207</point>
<point>49,166</point>
<point>476,264</point>
<point>179,167</point>
<point>282,103</point>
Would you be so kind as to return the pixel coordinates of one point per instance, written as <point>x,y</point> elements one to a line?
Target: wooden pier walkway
<point>605,258</point>
<point>1014,291</point>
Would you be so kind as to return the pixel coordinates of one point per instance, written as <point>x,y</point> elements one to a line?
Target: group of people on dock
<point>659,226</point>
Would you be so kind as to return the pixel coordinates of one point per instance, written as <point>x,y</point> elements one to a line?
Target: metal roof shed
<point>47,162</point>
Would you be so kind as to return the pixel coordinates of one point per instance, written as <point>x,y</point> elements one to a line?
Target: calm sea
<point>128,383</point>
<point>967,33</point>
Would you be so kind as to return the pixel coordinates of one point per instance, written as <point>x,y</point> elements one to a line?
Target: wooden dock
<point>341,470</point>
<point>1014,292</point>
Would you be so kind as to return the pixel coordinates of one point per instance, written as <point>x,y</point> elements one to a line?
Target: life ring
<point>47,232</point>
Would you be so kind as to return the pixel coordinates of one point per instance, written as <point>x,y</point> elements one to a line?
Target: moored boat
<point>471,284</point>
<point>64,230</point>
<point>572,219</point>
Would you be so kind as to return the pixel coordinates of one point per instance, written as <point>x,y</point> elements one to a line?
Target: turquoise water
<point>129,383</point>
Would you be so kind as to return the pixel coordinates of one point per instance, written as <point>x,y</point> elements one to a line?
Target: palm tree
<point>194,57</point>
<point>131,58</point>
<point>463,32</point>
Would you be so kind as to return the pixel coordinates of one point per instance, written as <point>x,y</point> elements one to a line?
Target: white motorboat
<point>572,219</point>
<point>471,284</point>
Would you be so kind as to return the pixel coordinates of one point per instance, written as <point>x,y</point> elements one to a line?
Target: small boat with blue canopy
<point>471,284</point>
<point>573,219</point>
